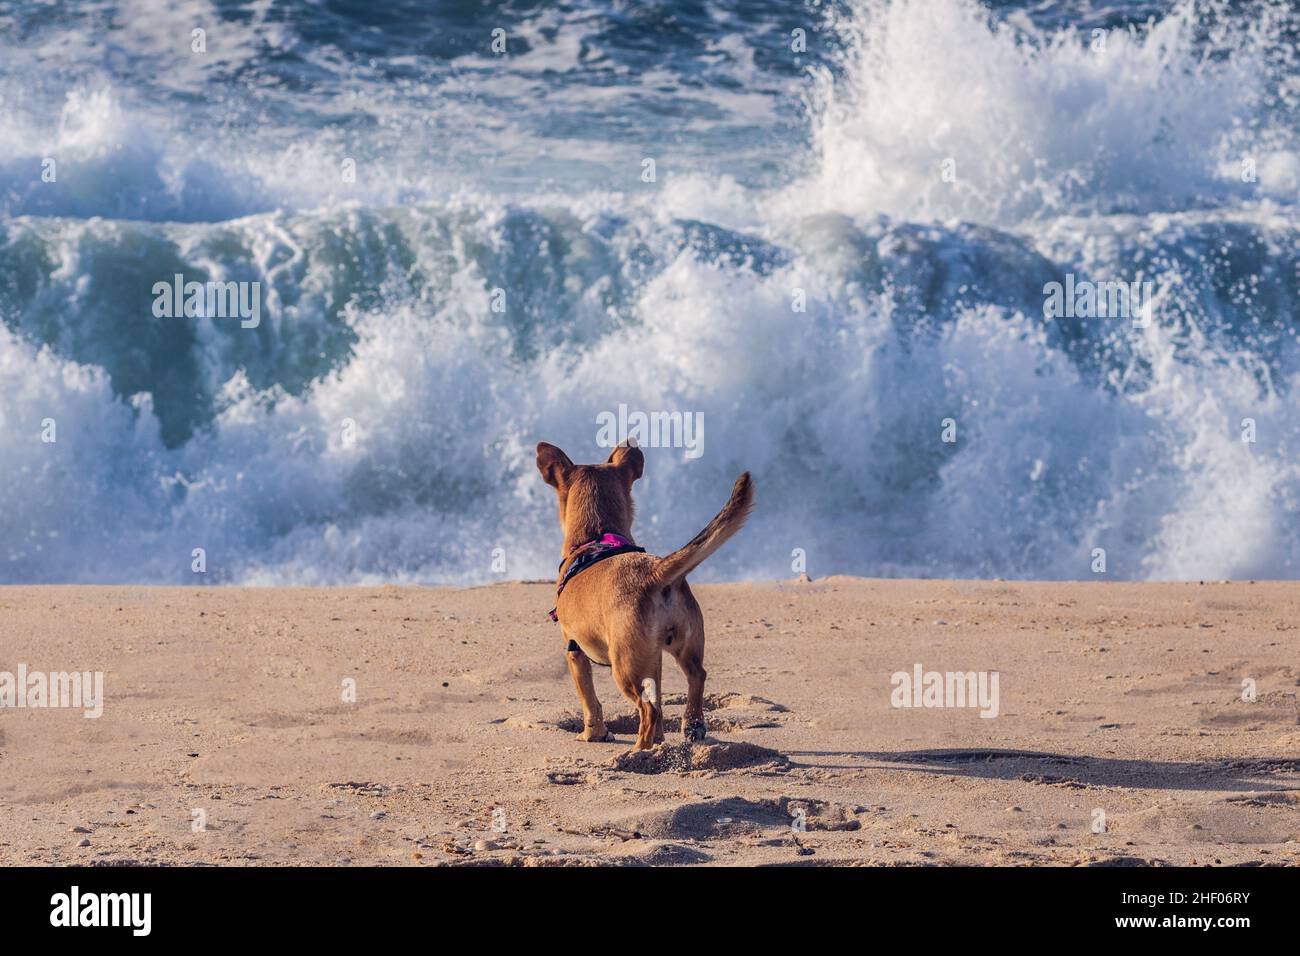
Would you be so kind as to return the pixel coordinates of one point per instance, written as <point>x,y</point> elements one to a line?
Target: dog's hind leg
<point>692,664</point>
<point>644,694</point>
<point>593,719</point>
<point>659,700</point>
<point>688,651</point>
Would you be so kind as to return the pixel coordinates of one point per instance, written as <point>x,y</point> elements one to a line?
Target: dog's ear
<point>553,464</point>
<point>628,459</point>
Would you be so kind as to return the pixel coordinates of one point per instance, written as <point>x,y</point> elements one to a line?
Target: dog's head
<point>594,499</point>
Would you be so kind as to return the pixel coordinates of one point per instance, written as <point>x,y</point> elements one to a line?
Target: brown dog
<point>626,610</point>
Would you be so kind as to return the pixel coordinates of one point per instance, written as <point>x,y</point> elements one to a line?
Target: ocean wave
<point>419,336</point>
<point>941,111</point>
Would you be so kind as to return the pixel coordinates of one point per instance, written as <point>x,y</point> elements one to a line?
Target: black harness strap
<point>589,554</point>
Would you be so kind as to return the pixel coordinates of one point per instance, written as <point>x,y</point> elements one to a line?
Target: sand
<point>1120,710</point>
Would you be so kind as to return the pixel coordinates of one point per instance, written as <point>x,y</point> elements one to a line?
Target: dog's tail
<point>725,523</point>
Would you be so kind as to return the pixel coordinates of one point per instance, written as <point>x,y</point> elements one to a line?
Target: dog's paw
<point>694,729</point>
<point>596,735</point>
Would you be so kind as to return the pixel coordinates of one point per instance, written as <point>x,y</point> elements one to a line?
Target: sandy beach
<point>1123,734</point>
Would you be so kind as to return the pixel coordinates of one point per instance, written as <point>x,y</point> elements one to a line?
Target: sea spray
<point>822,286</point>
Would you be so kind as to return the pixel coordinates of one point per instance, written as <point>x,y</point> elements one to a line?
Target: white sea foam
<point>1041,122</point>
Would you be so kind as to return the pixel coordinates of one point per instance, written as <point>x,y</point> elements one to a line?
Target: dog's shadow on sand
<point>1241,774</point>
